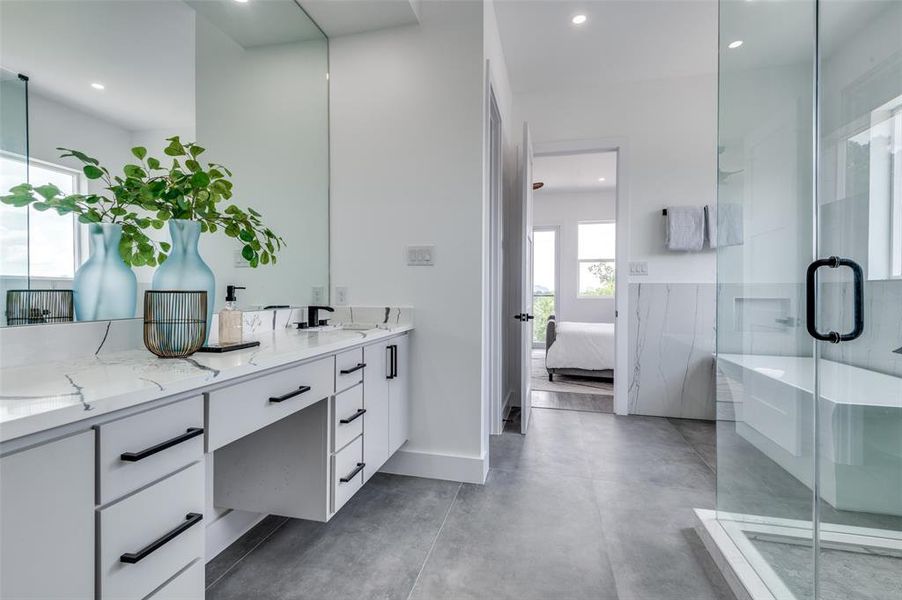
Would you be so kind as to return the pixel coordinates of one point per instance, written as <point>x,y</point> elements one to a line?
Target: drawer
<point>347,464</point>
<point>140,449</point>
<point>150,536</point>
<point>238,410</point>
<point>347,417</point>
<point>187,585</point>
<point>349,368</point>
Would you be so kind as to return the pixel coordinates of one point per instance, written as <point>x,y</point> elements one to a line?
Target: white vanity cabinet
<point>47,520</point>
<point>386,400</point>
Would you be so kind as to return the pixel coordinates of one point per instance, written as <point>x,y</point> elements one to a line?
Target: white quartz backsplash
<point>67,341</point>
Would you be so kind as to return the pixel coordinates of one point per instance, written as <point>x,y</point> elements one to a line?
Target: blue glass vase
<point>104,287</point>
<point>185,269</point>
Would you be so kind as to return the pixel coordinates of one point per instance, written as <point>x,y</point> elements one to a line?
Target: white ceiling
<point>622,41</point>
<point>576,172</point>
<point>260,22</point>
<point>344,17</point>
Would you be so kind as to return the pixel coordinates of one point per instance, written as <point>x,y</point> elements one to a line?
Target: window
<point>544,276</point>
<point>35,243</point>
<point>596,252</point>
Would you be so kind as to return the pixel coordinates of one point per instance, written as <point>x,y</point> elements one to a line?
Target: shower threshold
<point>735,541</point>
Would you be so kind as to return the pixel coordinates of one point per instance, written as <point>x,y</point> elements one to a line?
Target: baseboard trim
<point>467,469</point>
<point>225,531</point>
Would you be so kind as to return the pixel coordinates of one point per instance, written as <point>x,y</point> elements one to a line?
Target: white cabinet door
<point>398,395</point>
<point>375,401</point>
<point>47,520</point>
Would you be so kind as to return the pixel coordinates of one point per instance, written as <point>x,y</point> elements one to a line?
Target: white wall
<point>670,127</point>
<point>565,211</point>
<point>261,111</point>
<point>407,160</point>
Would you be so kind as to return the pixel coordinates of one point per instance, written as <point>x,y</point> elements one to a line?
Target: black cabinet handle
<point>352,369</point>
<point>191,519</point>
<point>389,375</point>
<point>297,392</point>
<point>353,417</point>
<point>834,262</point>
<point>351,475</point>
<point>192,432</point>
<point>394,361</point>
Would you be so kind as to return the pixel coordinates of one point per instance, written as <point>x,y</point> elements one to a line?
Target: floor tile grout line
<point>246,554</point>
<point>692,446</point>
<point>434,541</point>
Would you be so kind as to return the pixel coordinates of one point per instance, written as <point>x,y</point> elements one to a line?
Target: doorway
<point>574,281</point>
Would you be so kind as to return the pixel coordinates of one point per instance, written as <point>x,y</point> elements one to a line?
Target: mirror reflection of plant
<point>127,194</point>
<point>193,191</point>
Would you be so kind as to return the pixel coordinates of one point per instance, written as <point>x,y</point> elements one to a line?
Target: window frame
<point>79,233</point>
<point>556,230</point>
<point>580,260</point>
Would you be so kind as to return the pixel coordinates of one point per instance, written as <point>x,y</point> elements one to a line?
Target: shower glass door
<point>859,217</point>
<point>810,167</point>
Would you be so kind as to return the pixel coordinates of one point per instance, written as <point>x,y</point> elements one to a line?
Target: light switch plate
<point>420,256</point>
<point>639,268</point>
<point>341,295</point>
<point>318,294</point>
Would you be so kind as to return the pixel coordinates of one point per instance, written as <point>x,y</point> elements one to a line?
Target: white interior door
<point>526,316</point>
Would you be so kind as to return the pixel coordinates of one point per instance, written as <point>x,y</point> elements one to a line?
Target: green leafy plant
<point>148,194</point>
<point>194,191</point>
<point>123,197</point>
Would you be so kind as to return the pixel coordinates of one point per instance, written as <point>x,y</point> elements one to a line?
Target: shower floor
<point>843,574</point>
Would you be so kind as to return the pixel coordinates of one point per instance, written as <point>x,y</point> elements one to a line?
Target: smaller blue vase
<point>105,287</point>
<point>185,269</point>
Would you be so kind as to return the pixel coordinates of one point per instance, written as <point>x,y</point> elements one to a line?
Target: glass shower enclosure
<point>809,323</point>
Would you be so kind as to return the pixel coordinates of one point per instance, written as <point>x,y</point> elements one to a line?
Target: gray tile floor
<point>587,505</point>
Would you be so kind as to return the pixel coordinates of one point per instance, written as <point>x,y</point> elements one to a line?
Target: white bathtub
<point>860,441</point>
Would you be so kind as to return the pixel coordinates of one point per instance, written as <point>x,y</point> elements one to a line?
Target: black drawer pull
<point>352,369</point>
<point>351,475</point>
<point>191,519</point>
<point>353,417</point>
<point>284,397</point>
<point>192,432</point>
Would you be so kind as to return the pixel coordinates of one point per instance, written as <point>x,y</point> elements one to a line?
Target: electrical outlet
<point>341,295</point>
<point>639,268</point>
<point>420,256</point>
<point>318,295</point>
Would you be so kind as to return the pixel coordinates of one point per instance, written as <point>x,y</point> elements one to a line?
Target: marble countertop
<point>39,397</point>
<point>841,384</point>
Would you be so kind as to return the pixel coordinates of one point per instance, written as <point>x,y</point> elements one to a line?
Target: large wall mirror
<point>247,81</point>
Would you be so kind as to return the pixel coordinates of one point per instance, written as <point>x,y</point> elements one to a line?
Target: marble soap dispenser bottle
<point>230,321</point>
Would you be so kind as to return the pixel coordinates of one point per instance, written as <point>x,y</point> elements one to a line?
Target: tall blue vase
<point>185,269</point>
<point>104,287</point>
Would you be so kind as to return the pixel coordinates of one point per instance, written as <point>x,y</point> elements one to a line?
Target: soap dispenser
<point>230,325</point>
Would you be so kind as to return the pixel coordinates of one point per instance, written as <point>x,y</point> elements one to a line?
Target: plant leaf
<point>92,172</point>
<point>140,152</point>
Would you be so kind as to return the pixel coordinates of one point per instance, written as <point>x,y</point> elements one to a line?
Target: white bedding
<point>582,346</point>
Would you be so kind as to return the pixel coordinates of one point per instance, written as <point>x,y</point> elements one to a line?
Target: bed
<point>579,349</point>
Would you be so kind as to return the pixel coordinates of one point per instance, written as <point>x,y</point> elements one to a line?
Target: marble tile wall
<point>671,347</point>
<point>68,341</point>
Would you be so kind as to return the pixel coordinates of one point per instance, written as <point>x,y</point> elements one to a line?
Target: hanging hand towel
<point>685,228</point>
<point>730,224</point>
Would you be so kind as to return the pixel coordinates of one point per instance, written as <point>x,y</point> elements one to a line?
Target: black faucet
<point>898,350</point>
<point>313,314</point>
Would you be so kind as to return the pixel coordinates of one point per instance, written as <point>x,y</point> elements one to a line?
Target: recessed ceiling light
<point>241,1</point>
<point>579,19</point>
<point>735,44</point>
<point>98,86</point>
<point>601,179</point>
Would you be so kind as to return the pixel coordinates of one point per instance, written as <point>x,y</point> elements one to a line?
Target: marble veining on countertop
<point>42,396</point>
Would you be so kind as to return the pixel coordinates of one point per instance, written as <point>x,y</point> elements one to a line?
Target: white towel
<point>685,228</point>
<point>726,229</point>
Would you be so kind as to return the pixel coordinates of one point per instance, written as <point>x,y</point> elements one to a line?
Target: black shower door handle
<point>834,262</point>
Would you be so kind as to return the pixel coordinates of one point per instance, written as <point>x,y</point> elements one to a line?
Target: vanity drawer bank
<point>121,462</point>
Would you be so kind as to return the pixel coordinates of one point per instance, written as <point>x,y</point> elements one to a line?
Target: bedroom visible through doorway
<point>574,275</point>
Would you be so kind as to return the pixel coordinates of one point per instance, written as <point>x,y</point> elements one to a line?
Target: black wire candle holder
<point>30,307</point>
<point>175,322</point>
